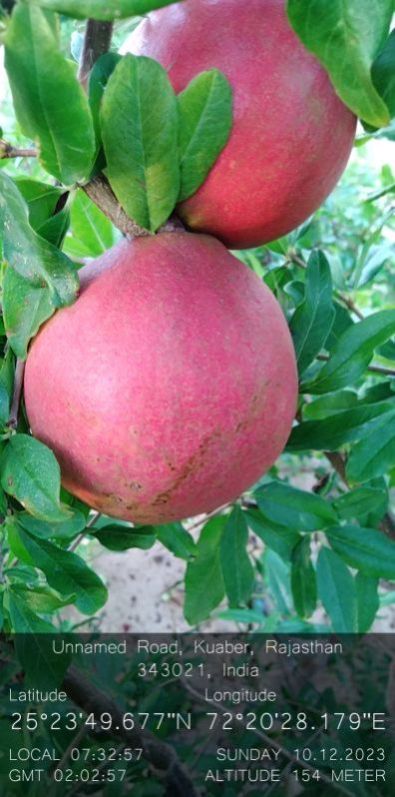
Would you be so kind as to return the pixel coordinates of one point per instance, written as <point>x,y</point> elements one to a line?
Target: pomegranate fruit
<point>170,386</point>
<point>292,135</point>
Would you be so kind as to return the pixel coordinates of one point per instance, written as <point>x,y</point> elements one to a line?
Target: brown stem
<point>8,151</point>
<point>338,463</point>
<point>95,517</point>
<point>387,525</point>
<point>16,398</point>
<point>294,258</point>
<point>100,192</point>
<point>160,755</point>
<point>96,42</point>
<point>350,304</point>
<point>374,369</point>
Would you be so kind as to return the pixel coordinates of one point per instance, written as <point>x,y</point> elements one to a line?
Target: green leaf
<point>321,408</point>
<point>313,319</point>
<point>63,530</point>
<point>346,37</point>
<point>42,599</point>
<point>139,119</point>
<point>98,80</point>
<point>205,108</point>
<point>91,231</point>
<point>376,258</point>
<point>204,583</point>
<point>31,474</point>
<point>121,537</point>
<point>243,616</point>
<point>278,575</point>
<point>237,570</point>
<point>303,579</point>
<point>174,537</point>
<point>41,199</point>
<point>292,508</point>
<point>6,387</point>
<point>367,550</point>
<point>343,427</point>
<point>368,601</point>
<point>360,503</point>
<point>25,308</point>
<point>48,212</point>
<point>353,353</point>
<point>336,589</point>
<point>281,539</point>
<point>55,228</point>
<point>383,73</point>
<point>99,9</point>
<point>66,572</point>
<point>374,455</point>
<point>33,644</point>
<point>49,102</point>
<point>34,258</point>
<point>342,322</point>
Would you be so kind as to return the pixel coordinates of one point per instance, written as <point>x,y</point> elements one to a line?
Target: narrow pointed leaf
<point>366,549</point>
<point>66,572</point>
<point>6,386</point>
<point>336,589</point>
<point>374,454</point>
<point>368,601</point>
<point>122,538</point>
<point>303,579</point>
<point>49,102</point>
<point>237,569</point>
<point>313,319</point>
<point>33,644</point>
<point>383,73</point>
<point>34,258</point>
<point>102,9</point>
<point>353,353</point>
<point>25,308</point>
<point>343,427</point>
<point>346,37</point>
<point>177,539</point>
<point>205,108</point>
<point>139,121</point>
<point>360,503</point>
<point>31,474</point>
<point>293,508</point>
<point>204,583</point>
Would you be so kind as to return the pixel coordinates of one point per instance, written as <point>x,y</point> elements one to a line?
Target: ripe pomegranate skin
<point>170,386</point>
<point>292,135</point>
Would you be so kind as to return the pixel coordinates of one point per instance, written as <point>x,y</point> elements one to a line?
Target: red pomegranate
<point>292,135</point>
<point>170,386</point>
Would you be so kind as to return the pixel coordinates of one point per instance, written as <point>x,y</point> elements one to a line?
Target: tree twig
<point>97,41</point>
<point>339,463</point>
<point>374,369</point>
<point>7,150</point>
<point>16,397</point>
<point>95,517</point>
<point>161,756</point>
<point>293,257</point>
<point>100,192</point>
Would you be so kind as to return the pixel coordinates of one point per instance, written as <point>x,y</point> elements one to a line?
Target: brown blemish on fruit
<point>193,465</point>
